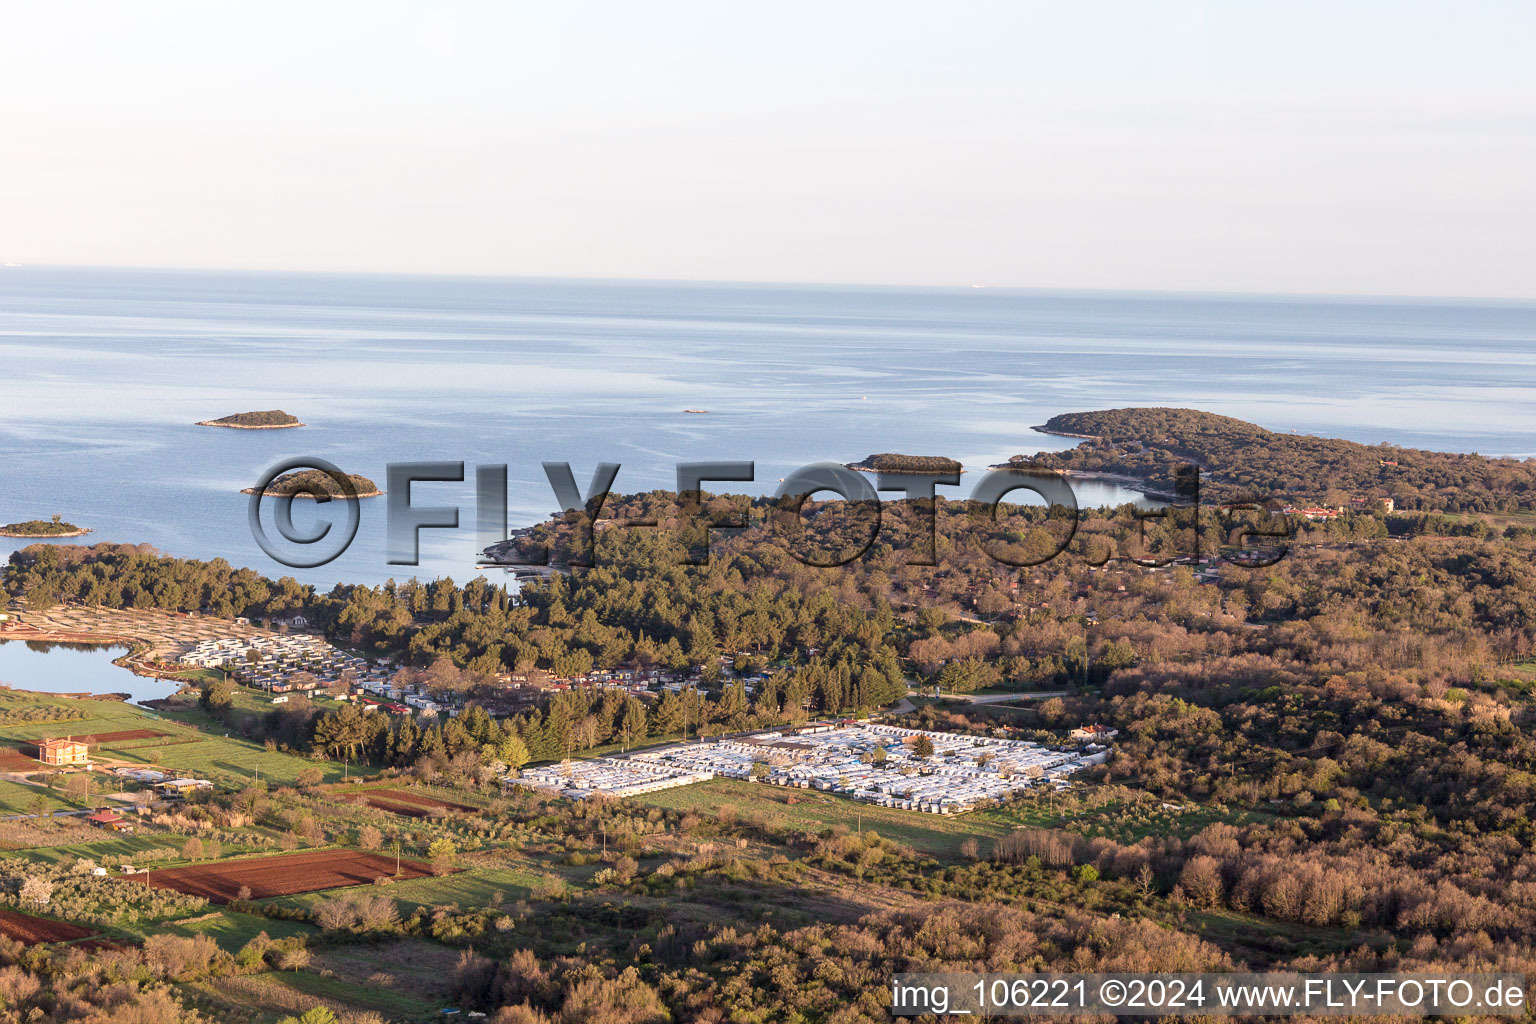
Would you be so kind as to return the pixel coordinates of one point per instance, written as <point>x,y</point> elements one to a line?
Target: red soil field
<point>412,805</point>
<point>13,760</point>
<point>32,930</point>
<point>125,734</point>
<point>283,874</point>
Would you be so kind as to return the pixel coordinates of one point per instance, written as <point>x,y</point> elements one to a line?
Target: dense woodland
<point>1244,462</point>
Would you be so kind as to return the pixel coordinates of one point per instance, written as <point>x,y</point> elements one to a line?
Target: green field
<point>229,929</point>
<point>199,676</point>
<point>472,887</point>
<point>201,753</point>
<point>286,993</point>
<point>114,844</point>
<point>933,834</point>
<point>110,844</point>
<point>18,798</point>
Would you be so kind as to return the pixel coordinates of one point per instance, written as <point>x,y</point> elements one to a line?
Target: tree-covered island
<point>270,419</point>
<point>55,527</point>
<point>911,465</point>
<point>306,482</point>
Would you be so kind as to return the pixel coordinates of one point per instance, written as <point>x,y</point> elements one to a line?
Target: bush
<point>357,912</point>
<point>179,958</point>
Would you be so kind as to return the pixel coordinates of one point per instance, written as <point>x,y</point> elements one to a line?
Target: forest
<point>1244,462</point>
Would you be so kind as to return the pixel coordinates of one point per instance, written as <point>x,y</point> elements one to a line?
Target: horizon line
<point>791,283</point>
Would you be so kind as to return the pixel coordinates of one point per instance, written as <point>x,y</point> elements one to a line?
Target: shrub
<point>357,912</point>
<point>36,891</point>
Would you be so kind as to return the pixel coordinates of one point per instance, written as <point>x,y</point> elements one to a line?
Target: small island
<point>306,482</point>
<point>907,465</point>
<point>38,528</point>
<point>270,419</point>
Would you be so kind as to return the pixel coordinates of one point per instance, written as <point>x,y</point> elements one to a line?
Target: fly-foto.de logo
<point>320,481</point>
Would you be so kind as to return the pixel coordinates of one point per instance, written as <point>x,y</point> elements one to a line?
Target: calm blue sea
<point>104,372</point>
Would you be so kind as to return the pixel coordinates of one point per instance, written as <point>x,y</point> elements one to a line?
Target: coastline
<point>247,426</point>
<point>1134,483</point>
<point>138,658</point>
<point>44,536</point>
<point>171,703</point>
<point>1064,433</point>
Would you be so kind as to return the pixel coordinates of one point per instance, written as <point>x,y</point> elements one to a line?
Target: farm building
<point>109,819</point>
<point>62,752</point>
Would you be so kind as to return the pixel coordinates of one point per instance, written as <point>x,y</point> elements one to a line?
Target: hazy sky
<point>1335,146</point>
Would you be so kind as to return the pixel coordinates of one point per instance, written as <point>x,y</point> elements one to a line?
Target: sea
<point>104,372</point>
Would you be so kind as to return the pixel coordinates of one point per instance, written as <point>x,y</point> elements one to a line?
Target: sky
<point>1346,146</point>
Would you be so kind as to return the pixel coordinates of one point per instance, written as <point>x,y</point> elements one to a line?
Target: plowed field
<point>31,929</point>
<point>125,734</point>
<point>413,805</point>
<point>281,875</point>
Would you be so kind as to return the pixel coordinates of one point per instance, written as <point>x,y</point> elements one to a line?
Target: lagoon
<point>45,667</point>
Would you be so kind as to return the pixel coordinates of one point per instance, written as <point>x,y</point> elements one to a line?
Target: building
<point>149,775</point>
<point>1385,504</point>
<point>181,787</point>
<point>1094,733</point>
<point>109,819</point>
<point>60,752</point>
